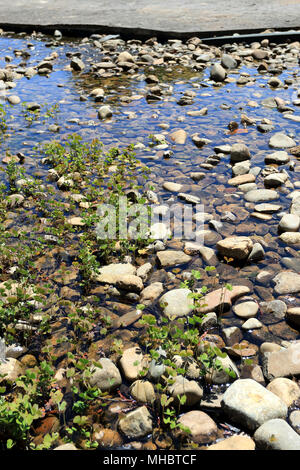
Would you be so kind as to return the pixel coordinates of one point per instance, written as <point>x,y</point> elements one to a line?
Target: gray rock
<point>137,423</point>
<point>276,434</point>
<point>280,158</point>
<point>282,363</point>
<point>106,378</point>
<point>281,140</point>
<point>217,73</point>
<point>77,64</point>
<point>104,112</point>
<point>228,62</point>
<point>261,195</point>
<point>239,153</point>
<point>287,282</point>
<point>249,404</point>
<point>257,253</point>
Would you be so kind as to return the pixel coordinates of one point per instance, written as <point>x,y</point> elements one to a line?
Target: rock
<point>246,309</point>
<point>178,137</point>
<point>293,315</point>
<point>295,206</point>
<point>210,321</point>
<point>241,179</point>
<point>12,369</point>
<point>197,175</point>
<point>132,363</point>
<point>285,389</point>
<point>291,263</point>
<point>257,253</point>
<point>143,391</point>
<point>77,64</point>
<point>111,273</point>
<point>249,404</point>
<point>228,62</point>
<point>237,248</point>
<point>137,423</point>
<point>239,153</point>
<point>282,363</point>
<point>130,283</point>
<point>125,57</point>
<point>189,388</point>
<point>172,258</point>
<point>276,434</point>
<point>202,428</point>
<point>254,372</point>
<point>275,180</point>
<point>217,73</point>
<point>107,437</point>
<point>222,298</point>
<point>151,292</point>
<point>144,270</point>
<point>290,238</point>
<point>287,282</point>
<point>259,54</point>
<point>289,223</point>
<point>13,99</point>
<point>241,168</point>
<point>232,335</point>
<point>280,140</point>
<point>295,420</point>
<point>280,158</point>
<point>66,447</point>
<point>261,195</point>
<point>177,303</point>
<point>252,324</point>
<point>234,443</point>
<point>173,187</point>
<point>104,112</point>
<point>218,377</point>
<point>268,208</point>
<point>107,378</point>
<point>156,370</point>
<point>160,231</point>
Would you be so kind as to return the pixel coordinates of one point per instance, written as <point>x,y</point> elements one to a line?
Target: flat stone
<point>277,434</point>
<point>281,140</point>
<point>279,157</point>
<point>246,309</point>
<point>202,428</point>
<point>234,443</point>
<point>282,363</point>
<point>287,282</point>
<point>241,179</point>
<point>177,303</point>
<point>285,389</point>
<point>290,238</point>
<point>173,187</point>
<point>178,137</point>
<point>249,404</point>
<point>261,195</point>
<point>237,248</point>
<point>222,298</point>
<point>267,208</point>
<point>172,258</point>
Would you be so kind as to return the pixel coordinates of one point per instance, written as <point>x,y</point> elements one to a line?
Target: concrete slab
<point>172,18</point>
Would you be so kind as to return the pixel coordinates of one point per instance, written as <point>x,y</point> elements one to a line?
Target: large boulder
<point>277,434</point>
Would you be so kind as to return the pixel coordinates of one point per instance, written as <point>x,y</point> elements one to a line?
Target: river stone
<point>268,208</point>
<point>172,258</point>
<point>189,388</point>
<point>285,389</point>
<point>241,168</point>
<point>151,292</point>
<point>104,112</point>
<point>106,378</point>
<point>290,238</point>
<point>293,315</point>
<point>280,157</point>
<point>239,152</point>
<point>217,73</point>
<point>178,137</point>
<point>234,443</point>
<point>219,377</point>
<point>280,140</point>
<point>273,311</point>
<point>295,206</point>
<point>202,428</point>
<point>282,363</point>
<point>289,223</point>
<point>277,434</point>
<point>221,298</point>
<point>143,391</point>
<point>137,423</point>
<point>295,420</point>
<point>160,231</point>
<point>252,324</point>
<point>242,179</point>
<point>287,282</point>
<point>12,369</point>
<point>275,180</point>
<point>237,248</point>
<point>68,446</point>
<point>173,187</point>
<point>292,263</point>
<point>228,61</point>
<point>77,64</point>
<point>177,303</point>
<point>111,273</point>
<point>132,363</point>
<point>13,99</point>
<point>249,404</point>
<point>261,195</point>
<point>246,309</point>
<point>130,283</point>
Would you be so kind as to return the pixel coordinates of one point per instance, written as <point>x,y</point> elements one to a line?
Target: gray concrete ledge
<point>141,18</point>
